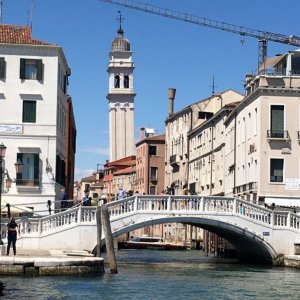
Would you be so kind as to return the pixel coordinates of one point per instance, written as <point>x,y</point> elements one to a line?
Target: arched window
<point>126,81</point>
<point>117,81</point>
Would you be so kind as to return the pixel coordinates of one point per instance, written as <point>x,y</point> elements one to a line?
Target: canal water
<point>147,274</point>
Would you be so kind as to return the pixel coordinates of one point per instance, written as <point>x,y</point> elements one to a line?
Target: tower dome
<point>120,43</point>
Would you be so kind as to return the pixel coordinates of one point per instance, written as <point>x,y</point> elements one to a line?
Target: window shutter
<point>36,159</point>
<point>22,68</point>
<point>2,68</point>
<point>40,69</point>
<point>19,158</point>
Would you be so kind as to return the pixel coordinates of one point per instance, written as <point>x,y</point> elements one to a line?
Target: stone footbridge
<point>257,233</point>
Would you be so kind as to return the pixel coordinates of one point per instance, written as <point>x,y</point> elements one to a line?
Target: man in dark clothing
<point>11,235</point>
<point>63,199</point>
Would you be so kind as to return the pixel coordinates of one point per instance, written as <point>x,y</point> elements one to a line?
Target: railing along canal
<point>163,204</point>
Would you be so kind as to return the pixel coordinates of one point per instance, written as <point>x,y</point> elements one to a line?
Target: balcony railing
<point>27,182</point>
<point>248,187</point>
<point>277,135</point>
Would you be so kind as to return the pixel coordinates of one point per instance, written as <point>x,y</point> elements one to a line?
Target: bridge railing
<point>61,220</point>
<point>158,204</point>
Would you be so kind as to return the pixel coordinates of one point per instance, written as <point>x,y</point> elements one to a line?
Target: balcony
<point>245,188</point>
<point>278,135</point>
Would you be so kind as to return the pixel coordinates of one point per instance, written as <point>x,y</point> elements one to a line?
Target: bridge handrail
<point>187,204</point>
<point>68,217</point>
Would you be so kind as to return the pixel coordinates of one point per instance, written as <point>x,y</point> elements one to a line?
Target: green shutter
<point>22,68</point>
<point>36,159</point>
<point>40,69</point>
<point>29,111</point>
<point>2,68</point>
<point>19,158</point>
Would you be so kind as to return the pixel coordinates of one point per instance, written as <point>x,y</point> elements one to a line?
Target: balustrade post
<point>40,227</point>
<point>288,220</point>
<point>272,218</point>
<point>202,204</point>
<point>79,214</point>
<point>135,206</point>
<point>169,204</point>
<point>235,205</point>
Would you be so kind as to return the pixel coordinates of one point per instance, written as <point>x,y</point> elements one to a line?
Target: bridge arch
<point>249,246</point>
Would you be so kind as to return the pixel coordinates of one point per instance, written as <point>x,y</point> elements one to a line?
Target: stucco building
<point>178,125</point>
<point>34,105</point>
<point>262,151</point>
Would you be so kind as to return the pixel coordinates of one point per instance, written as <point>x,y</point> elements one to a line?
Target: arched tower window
<point>126,81</point>
<point>117,81</point>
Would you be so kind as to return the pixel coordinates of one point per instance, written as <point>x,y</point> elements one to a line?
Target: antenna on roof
<point>30,14</point>
<point>213,86</point>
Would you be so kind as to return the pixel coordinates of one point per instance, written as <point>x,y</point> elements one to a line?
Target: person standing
<point>11,235</point>
<point>63,199</point>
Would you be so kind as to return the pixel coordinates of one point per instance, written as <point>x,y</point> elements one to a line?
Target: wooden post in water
<point>109,240</point>
<point>99,230</point>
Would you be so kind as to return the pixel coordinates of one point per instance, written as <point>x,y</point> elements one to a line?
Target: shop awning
<point>288,202</point>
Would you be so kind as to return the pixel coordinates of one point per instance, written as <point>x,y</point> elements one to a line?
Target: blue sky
<point>167,53</point>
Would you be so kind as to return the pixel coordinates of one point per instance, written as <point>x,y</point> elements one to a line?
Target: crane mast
<point>262,36</point>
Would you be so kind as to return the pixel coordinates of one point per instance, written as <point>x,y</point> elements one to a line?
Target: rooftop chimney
<point>171,96</point>
<point>142,133</point>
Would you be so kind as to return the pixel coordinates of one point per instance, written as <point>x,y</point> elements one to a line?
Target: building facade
<point>121,99</point>
<point>262,153</point>
<point>178,125</point>
<point>33,114</point>
<point>150,157</point>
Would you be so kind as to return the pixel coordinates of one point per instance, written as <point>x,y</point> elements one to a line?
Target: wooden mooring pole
<point>109,239</point>
<point>99,230</point>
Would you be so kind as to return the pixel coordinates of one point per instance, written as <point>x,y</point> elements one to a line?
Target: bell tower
<point>121,98</point>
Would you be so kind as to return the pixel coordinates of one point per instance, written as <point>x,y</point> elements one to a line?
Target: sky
<point>166,53</point>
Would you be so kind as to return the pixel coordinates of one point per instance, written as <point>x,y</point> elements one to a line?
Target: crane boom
<point>262,36</point>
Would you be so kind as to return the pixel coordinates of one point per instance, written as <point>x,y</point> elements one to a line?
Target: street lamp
<point>3,174</point>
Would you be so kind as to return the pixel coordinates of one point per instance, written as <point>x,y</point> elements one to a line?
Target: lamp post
<point>3,174</point>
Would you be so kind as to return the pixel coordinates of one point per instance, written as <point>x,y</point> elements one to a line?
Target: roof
<point>127,170</point>
<point>14,34</point>
<point>126,161</point>
<point>91,178</point>
<point>154,138</point>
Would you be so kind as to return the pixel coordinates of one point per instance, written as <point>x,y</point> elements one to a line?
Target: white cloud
<point>95,150</point>
<point>81,173</point>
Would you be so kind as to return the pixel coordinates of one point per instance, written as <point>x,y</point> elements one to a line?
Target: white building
<point>121,99</point>
<point>33,108</point>
<point>178,125</point>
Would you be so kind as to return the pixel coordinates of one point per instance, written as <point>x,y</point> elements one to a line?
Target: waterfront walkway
<point>50,262</point>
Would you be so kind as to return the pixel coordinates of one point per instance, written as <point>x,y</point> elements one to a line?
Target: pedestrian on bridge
<point>11,235</point>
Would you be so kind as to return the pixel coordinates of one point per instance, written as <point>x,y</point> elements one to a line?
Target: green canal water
<point>147,274</point>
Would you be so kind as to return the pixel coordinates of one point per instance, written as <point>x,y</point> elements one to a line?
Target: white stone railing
<point>58,221</point>
<point>191,205</point>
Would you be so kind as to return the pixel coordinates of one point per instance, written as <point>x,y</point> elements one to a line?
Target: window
<point>153,173</point>
<point>2,68</point>
<point>30,174</point>
<point>205,115</point>
<point>31,69</point>
<point>152,190</point>
<point>29,111</point>
<point>276,170</point>
<point>152,150</point>
<point>126,81</point>
<point>277,121</point>
<point>117,82</point>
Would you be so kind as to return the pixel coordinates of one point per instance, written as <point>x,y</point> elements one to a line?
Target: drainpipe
<point>234,153</point>
<point>211,156</point>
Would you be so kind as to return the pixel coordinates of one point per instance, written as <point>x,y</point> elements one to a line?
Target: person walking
<point>11,235</point>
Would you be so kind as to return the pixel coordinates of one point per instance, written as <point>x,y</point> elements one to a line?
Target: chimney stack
<point>142,133</point>
<point>171,96</point>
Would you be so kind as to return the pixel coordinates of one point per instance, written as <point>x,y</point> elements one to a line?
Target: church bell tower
<point>121,98</point>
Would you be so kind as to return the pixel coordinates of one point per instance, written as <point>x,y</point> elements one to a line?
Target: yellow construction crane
<point>262,36</point>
